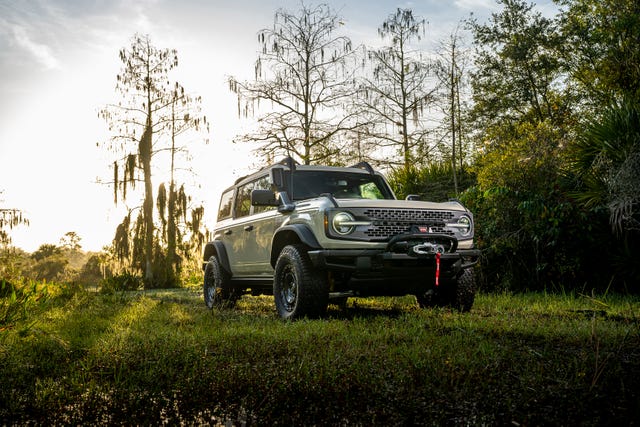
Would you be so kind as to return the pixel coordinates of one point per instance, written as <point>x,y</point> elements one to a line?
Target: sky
<point>58,67</point>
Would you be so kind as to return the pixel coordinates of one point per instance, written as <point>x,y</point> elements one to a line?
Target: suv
<point>311,235</point>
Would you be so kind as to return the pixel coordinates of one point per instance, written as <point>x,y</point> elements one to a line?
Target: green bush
<point>16,301</point>
<point>434,182</point>
<point>121,283</point>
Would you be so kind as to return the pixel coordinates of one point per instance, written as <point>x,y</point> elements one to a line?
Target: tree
<point>395,97</point>
<point>50,264</point>
<point>602,51</point>
<point>522,116</point>
<point>151,108</point>
<point>71,241</point>
<point>185,116</point>
<point>605,170</point>
<point>450,72</point>
<point>302,71</point>
<point>517,75</point>
<point>606,162</point>
<point>9,218</point>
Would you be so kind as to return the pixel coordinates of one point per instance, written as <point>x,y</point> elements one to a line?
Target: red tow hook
<point>437,268</point>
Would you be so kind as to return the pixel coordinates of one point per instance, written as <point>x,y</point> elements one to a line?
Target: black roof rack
<point>289,162</point>
<point>240,179</point>
<point>364,165</point>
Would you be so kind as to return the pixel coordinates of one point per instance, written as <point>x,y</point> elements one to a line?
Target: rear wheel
<point>299,290</point>
<point>217,288</point>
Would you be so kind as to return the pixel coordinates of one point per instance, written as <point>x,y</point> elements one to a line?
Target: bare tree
<point>396,96</point>
<point>150,109</point>
<point>185,116</point>
<point>303,71</point>
<point>450,72</point>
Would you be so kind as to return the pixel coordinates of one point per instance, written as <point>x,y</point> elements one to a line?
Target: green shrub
<point>434,182</point>
<point>16,301</point>
<point>120,283</point>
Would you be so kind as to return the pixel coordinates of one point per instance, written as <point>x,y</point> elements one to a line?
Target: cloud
<point>475,5</point>
<point>41,52</point>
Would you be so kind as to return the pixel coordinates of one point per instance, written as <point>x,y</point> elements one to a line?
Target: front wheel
<point>217,288</point>
<point>458,294</point>
<point>465,291</point>
<point>299,290</point>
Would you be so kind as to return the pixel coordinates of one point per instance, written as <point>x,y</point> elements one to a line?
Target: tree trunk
<point>147,208</point>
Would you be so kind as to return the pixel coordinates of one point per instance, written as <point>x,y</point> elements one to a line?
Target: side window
<point>224,211</point>
<point>243,200</point>
<point>262,184</point>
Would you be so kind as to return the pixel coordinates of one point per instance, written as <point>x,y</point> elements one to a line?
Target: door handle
<point>248,228</point>
<point>227,232</point>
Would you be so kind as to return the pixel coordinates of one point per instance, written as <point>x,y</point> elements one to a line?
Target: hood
<point>400,204</point>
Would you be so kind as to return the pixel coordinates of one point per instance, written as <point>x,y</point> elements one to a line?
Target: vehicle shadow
<point>356,310</point>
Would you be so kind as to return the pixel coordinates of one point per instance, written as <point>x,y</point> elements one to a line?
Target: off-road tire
<point>427,300</point>
<point>458,294</point>
<point>465,291</point>
<point>217,288</point>
<point>299,290</point>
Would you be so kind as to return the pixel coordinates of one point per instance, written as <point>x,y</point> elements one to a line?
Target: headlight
<point>343,223</point>
<point>463,225</point>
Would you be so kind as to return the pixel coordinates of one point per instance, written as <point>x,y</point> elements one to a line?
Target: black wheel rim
<point>210,287</point>
<point>289,288</point>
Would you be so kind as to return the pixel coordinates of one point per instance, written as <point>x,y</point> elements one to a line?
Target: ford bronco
<point>311,235</point>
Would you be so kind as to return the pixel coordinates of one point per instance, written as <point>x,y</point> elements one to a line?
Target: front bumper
<point>411,252</point>
<point>372,260</point>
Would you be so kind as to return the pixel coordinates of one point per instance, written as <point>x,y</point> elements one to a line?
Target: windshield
<point>342,185</point>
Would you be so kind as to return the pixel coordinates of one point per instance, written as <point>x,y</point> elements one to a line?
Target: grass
<point>161,357</point>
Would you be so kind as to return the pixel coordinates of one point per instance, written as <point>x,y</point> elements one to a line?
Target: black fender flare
<point>290,234</point>
<point>216,248</point>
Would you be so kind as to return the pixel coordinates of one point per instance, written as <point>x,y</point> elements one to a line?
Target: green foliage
<point>50,263</point>
<point>16,301</point>
<point>433,182</point>
<point>605,167</point>
<point>533,236</point>
<point>602,48</point>
<point>160,357</point>
<point>121,283</point>
<point>518,74</point>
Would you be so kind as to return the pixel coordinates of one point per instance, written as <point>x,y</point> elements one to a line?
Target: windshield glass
<point>342,185</point>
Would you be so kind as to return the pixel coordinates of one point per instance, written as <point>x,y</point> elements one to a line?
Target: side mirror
<point>414,197</point>
<point>277,177</point>
<point>264,198</point>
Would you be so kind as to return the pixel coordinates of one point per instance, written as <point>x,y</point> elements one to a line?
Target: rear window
<point>224,211</point>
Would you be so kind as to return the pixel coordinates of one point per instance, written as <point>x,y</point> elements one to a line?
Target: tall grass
<point>161,357</point>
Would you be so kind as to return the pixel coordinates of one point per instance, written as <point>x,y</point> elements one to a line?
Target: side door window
<point>263,227</point>
<point>243,200</point>
<point>236,242</point>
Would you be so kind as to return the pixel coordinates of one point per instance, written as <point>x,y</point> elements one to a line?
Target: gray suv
<point>311,235</point>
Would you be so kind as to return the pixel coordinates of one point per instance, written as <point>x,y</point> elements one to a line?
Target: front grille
<point>415,216</point>
<point>391,222</point>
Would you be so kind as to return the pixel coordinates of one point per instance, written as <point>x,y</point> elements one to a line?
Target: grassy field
<point>162,358</point>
